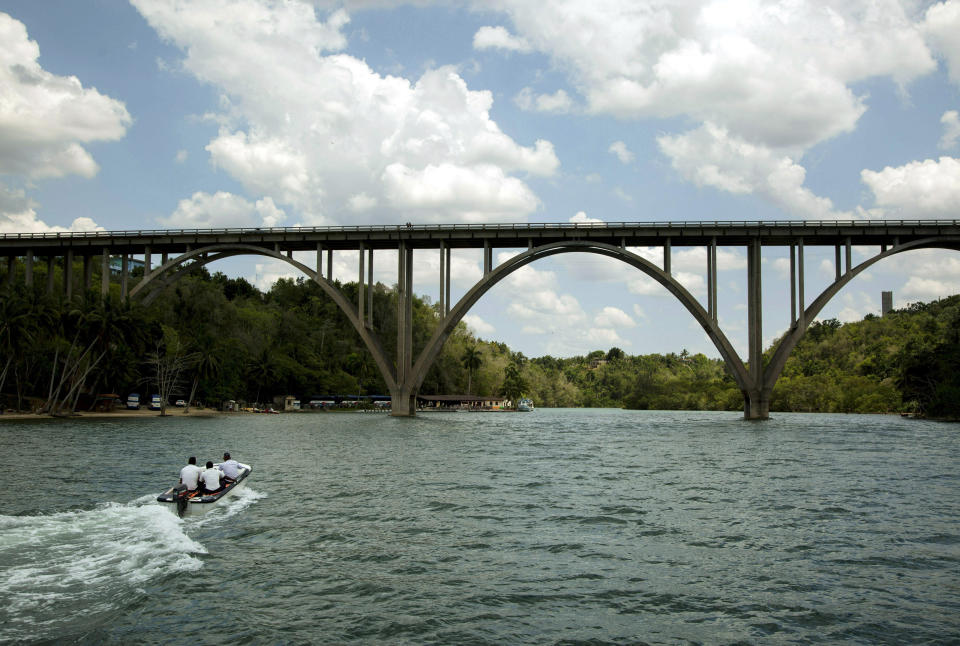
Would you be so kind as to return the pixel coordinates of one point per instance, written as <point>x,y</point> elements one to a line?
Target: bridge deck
<point>464,236</point>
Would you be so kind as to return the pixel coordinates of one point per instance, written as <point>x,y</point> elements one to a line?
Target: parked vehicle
<point>180,403</point>
<point>155,402</point>
<point>133,401</point>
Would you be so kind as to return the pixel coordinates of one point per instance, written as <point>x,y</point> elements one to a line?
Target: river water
<point>552,527</point>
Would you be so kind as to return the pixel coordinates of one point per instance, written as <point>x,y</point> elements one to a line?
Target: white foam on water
<point>231,505</point>
<point>85,562</point>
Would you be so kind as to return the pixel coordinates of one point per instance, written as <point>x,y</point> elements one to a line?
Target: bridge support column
<point>370,288</point>
<point>124,274</point>
<point>105,273</point>
<point>403,398</point>
<point>87,272</point>
<point>361,286</point>
<point>756,404</point>
<point>756,400</point>
<point>28,267</point>
<point>68,275</point>
<point>11,265</point>
<point>51,264</point>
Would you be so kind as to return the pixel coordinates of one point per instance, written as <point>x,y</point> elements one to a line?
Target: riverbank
<point>143,412</point>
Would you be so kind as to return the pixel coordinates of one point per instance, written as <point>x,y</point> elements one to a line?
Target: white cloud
<point>313,128</point>
<point>438,193</point>
<point>181,156</point>
<point>951,129</point>
<point>712,156</point>
<point>733,64</point>
<point>558,103</point>
<point>222,209</point>
<point>644,285</point>
<point>361,202</point>
<point>782,267</point>
<point>478,326</point>
<point>499,38</point>
<point>604,338</point>
<point>18,215</point>
<point>765,81</point>
<point>45,118</point>
<point>623,153</point>
<point>613,317</point>
<point>941,25</point>
<point>581,217</point>
<point>918,189</point>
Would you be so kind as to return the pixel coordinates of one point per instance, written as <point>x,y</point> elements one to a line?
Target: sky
<point>156,114</point>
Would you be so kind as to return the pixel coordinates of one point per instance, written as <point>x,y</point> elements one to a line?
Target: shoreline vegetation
<point>211,338</point>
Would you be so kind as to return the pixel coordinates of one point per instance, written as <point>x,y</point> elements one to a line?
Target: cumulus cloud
<point>766,81</point>
<point>623,153</point>
<point>321,132</point>
<point>929,188</point>
<point>499,38</point>
<point>478,326</point>
<point>45,118</point>
<point>951,129</point>
<point>712,156</point>
<point>223,209</point>
<point>941,26</point>
<point>559,102</point>
<point>581,217</point>
<point>613,317</point>
<point>18,215</point>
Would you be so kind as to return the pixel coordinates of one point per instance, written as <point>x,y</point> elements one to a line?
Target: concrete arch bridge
<point>166,255</point>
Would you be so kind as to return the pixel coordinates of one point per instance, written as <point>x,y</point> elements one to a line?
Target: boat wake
<point>81,564</point>
<point>236,503</point>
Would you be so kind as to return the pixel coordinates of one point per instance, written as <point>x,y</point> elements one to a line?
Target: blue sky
<point>207,113</point>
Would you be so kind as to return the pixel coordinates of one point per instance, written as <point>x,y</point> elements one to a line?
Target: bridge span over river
<point>168,254</point>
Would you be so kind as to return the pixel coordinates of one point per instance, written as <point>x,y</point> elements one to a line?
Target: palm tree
<point>471,360</point>
<point>207,365</point>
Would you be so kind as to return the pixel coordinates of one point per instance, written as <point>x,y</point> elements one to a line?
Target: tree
<point>206,365</point>
<point>514,384</point>
<point>471,360</point>
<point>168,360</point>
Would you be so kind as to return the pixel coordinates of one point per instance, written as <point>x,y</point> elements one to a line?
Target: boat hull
<point>200,504</point>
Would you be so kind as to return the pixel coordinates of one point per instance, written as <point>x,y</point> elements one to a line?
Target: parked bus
<point>133,401</point>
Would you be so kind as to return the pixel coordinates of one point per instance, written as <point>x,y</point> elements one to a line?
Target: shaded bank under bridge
<point>168,254</point>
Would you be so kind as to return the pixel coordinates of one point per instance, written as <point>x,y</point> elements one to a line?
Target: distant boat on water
<point>525,405</point>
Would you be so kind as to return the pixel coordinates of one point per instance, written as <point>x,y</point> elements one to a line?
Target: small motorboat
<point>184,502</point>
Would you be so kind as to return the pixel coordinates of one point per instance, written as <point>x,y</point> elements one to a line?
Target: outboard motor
<point>180,497</point>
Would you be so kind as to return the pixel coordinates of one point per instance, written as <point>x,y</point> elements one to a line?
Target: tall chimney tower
<point>886,302</point>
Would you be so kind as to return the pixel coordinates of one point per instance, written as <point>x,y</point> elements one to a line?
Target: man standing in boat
<point>190,474</point>
<point>230,468</point>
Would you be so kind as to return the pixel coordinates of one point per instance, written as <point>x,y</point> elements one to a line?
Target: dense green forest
<point>211,338</point>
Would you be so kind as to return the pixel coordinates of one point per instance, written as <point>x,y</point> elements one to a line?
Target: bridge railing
<point>136,233</point>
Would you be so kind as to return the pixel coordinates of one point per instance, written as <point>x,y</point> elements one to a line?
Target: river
<point>552,527</point>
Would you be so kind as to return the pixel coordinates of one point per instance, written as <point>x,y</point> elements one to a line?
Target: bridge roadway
<point>180,249</point>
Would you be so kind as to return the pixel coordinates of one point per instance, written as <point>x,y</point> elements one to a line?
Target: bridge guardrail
<point>472,227</point>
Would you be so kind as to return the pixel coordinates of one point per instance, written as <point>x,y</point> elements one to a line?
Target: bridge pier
<point>756,404</point>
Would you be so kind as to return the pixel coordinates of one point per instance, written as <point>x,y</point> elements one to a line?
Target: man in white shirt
<point>230,467</point>
<point>190,474</point>
<point>210,479</point>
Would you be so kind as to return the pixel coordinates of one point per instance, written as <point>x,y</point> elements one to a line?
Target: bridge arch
<point>174,269</point>
<point>778,360</point>
<point>429,354</point>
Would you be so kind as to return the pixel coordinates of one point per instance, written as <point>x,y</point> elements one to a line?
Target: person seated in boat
<point>211,479</point>
<point>190,474</point>
<point>230,468</point>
